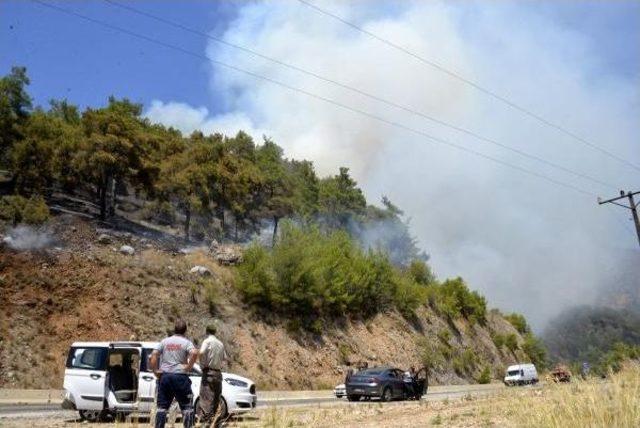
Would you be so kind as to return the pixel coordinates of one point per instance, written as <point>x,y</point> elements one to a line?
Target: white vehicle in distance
<point>521,374</point>
<point>340,391</point>
<point>109,379</point>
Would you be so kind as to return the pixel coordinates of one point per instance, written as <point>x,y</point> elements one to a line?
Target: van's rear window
<point>513,372</point>
<point>87,358</point>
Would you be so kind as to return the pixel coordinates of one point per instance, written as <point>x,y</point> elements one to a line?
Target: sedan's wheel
<point>386,394</point>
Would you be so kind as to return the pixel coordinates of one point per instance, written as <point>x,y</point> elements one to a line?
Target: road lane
<point>35,409</point>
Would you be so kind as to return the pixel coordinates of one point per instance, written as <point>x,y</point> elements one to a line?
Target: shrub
<point>211,296</point>
<point>485,376</point>
<point>519,322</point>
<point>314,275</point>
<point>511,341</point>
<point>17,209</point>
<point>345,352</point>
<point>458,365</point>
<point>446,351</point>
<point>444,336</point>
<point>420,272</point>
<point>613,360</point>
<point>453,299</point>
<point>465,361</point>
<point>408,295</point>
<point>469,358</point>
<point>534,348</point>
<point>429,357</point>
<point>499,340</point>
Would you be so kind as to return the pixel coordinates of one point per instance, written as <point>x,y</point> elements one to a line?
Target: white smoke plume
<point>528,244</point>
<point>25,238</point>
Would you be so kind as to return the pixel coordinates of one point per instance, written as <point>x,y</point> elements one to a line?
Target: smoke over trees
<point>216,186</point>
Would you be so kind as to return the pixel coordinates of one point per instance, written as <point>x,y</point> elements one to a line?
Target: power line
<point>360,92</point>
<point>316,96</point>
<point>471,83</point>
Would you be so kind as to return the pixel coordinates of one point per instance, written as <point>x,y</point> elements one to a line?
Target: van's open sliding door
<point>123,367</point>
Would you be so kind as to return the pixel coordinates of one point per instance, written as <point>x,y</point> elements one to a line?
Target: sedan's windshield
<point>369,372</point>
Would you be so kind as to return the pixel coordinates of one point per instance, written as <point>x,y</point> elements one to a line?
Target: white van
<point>104,379</point>
<point>521,374</point>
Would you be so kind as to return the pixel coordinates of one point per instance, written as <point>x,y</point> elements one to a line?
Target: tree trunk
<point>220,215</point>
<point>112,202</point>
<point>103,199</point>
<point>187,223</point>
<point>276,220</point>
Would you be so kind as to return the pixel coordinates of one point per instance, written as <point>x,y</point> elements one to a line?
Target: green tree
<point>33,157</point>
<point>187,179</point>
<point>15,106</point>
<point>114,149</point>
<point>340,200</point>
<point>67,139</point>
<point>384,228</point>
<point>239,181</point>
<point>306,188</point>
<point>64,111</point>
<point>278,194</point>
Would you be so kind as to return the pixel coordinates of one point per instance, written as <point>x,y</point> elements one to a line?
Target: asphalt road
<point>37,410</point>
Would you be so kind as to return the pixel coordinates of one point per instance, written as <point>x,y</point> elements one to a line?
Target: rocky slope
<point>78,285</point>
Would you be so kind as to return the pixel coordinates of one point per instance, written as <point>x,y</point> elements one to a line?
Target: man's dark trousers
<point>178,386</point>
<point>210,391</point>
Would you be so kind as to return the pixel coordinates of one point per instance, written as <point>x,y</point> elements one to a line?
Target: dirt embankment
<point>83,288</point>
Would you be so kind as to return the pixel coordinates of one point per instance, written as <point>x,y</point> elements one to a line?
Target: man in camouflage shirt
<point>212,355</point>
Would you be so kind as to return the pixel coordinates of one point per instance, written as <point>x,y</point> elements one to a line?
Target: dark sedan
<point>380,382</point>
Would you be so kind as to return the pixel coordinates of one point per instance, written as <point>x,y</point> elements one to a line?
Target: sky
<point>529,244</point>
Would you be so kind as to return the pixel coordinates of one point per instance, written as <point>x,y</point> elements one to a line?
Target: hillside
<point>334,280</point>
<point>76,288</point>
<point>606,332</point>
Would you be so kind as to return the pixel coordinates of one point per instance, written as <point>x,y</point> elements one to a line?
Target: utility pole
<point>632,206</point>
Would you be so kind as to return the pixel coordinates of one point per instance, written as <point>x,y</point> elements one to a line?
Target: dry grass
<point>593,403</point>
<point>582,404</point>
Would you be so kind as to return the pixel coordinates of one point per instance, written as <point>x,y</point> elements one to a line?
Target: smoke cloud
<point>25,238</point>
<point>527,244</point>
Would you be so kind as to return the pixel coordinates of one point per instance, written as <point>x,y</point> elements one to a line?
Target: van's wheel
<point>93,415</point>
<point>386,394</point>
<point>353,397</point>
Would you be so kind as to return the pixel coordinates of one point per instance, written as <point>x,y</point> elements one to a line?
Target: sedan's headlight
<point>236,382</point>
